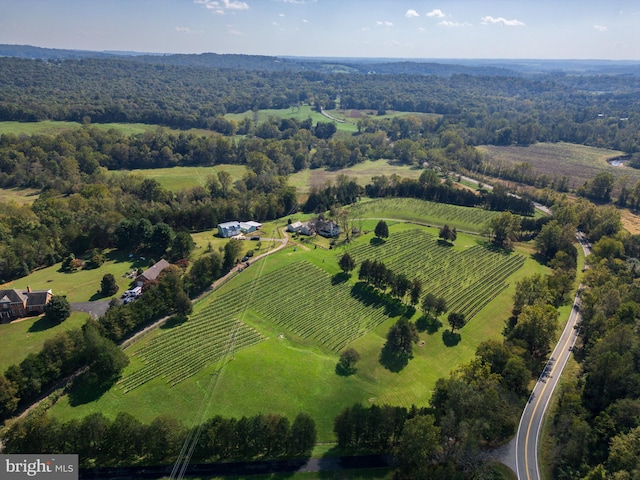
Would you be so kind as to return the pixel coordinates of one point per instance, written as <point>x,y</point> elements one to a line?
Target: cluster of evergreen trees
<point>125,441</point>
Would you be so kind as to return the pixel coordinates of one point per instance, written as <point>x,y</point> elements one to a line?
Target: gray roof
<point>152,272</point>
<point>12,296</point>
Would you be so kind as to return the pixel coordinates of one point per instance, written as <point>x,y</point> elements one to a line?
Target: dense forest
<point>507,109</point>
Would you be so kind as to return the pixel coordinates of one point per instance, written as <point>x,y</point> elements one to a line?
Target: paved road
<point>526,441</point>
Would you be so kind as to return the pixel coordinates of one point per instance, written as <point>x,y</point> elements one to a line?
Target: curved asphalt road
<point>526,441</point>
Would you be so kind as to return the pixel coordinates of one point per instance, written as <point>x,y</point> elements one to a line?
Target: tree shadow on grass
<point>174,321</point>
<point>87,388</point>
<point>370,296</point>
<point>428,324</point>
<point>444,243</point>
<point>344,372</point>
<point>42,324</point>
<point>451,339</point>
<point>339,278</point>
<point>376,242</point>
<point>393,361</point>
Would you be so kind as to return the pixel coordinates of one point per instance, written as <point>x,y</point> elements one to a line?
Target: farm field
<point>53,127</point>
<point>300,113</point>
<point>30,334</point>
<point>579,163</point>
<point>422,211</point>
<point>180,178</point>
<point>289,364</point>
<point>22,196</point>
<point>362,173</point>
<point>83,285</point>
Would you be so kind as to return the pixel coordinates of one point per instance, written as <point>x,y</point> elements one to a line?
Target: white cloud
<point>183,29</point>
<point>447,23</point>
<point>304,20</point>
<point>600,28</point>
<point>281,14</point>
<point>436,13</point>
<point>411,14</point>
<point>501,21</point>
<point>422,29</point>
<point>386,23</point>
<point>220,6</point>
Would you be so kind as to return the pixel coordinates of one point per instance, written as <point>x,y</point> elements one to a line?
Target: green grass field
<point>53,127</point>
<point>180,178</point>
<point>289,370</point>
<point>577,162</point>
<point>83,285</point>
<point>22,196</point>
<point>22,337</point>
<point>361,173</point>
<point>422,211</point>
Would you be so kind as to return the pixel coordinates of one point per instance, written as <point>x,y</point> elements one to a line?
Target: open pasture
<point>54,127</point>
<point>21,196</point>
<point>301,114</point>
<point>180,178</point>
<point>422,211</point>
<point>578,163</point>
<point>468,279</point>
<point>362,173</point>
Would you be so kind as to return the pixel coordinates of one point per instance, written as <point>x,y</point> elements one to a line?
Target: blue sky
<point>341,28</point>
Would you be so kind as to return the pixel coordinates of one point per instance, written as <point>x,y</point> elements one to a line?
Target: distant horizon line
<point>482,59</point>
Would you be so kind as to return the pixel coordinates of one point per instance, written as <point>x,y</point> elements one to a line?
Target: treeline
<point>125,441</point>
<point>500,110</point>
<point>596,427</point>
<point>61,356</point>
<point>500,200</point>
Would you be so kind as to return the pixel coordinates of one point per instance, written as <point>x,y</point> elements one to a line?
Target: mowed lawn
<point>286,373</point>
<point>362,173</point>
<point>578,163</point>
<point>180,178</point>
<point>22,337</point>
<point>83,285</point>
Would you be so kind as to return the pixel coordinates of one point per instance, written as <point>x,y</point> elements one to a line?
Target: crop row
<point>467,279</point>
<point>176,356</point>
<point>423,210</point>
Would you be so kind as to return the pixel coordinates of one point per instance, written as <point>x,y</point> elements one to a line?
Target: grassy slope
<point>22,337</point>
<point>52,127</point>
<point>81,286</point>
<point>362,173</point>
<point>578,162</point>
<point>285,375</point>
<point>21,196</point>
<point>180,178</point>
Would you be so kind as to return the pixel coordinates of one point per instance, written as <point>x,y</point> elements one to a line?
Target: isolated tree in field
<point>429,303</point>
<point>400,284</point>
<point>347,263</point>
<point>231,254</point>
<point>58,309</point>
<point>448,234</point>
<point>401,338</point>
<point>108,285</point>
<point>456,320</point>
<point>348,360</point>
<point>415,291</point>
<point>182,245</point>
<point>382,230</point>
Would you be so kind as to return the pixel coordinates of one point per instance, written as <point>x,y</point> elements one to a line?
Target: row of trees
<point>61,356</point>
<point>125,441</point>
